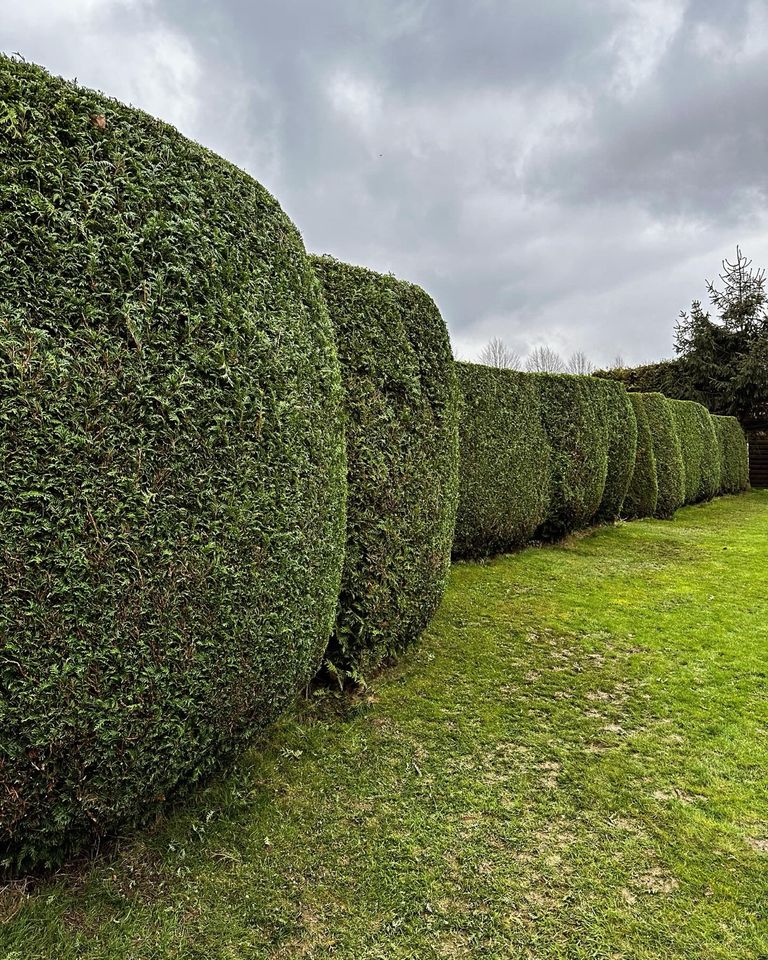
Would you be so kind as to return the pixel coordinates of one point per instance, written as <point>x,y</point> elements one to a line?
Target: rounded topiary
<point>643,494</point>
<point>573,413</point>
<point>734,455</point>
<point>621,423</point>
<point>700,449</point>
<point>402,438</point>
<point>504,461</point>
<point>667,453</point>
<point>173,475</point>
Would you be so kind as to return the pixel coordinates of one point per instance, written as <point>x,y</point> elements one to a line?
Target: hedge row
<point>543,454</point>
<point>401,402</point>
<point>223,461</point>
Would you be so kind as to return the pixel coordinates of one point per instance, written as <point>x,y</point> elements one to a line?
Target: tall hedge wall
<point>643,493</point>
<point>504,469</point>
<point>574,417</point>
<point>699,446</point>
<point>402,440</point>
<point>734,455</point>
<point>667,453</point>
<point>173,477</point>
<point>621,423</point>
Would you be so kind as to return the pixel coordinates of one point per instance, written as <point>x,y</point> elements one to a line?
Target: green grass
<point>572,764</point>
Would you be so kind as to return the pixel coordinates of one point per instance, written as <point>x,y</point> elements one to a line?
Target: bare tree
<point>496,353</point>
<point>579,362</point>
<point>618,362</point>
<point>545,360</point>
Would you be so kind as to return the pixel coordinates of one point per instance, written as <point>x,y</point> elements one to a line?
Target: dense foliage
<point>724,358</point>
<point>700,450</point>
<point>402,439</point>
<point>504,461</point>
<point>573,413</point>
<point>667,454</point>
<point>172,478</point>
<point>621,423</point>
<point>734,455</point>
<point>643,493</point>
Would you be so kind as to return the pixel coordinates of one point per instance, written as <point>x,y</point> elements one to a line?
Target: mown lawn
<point>573,763</point>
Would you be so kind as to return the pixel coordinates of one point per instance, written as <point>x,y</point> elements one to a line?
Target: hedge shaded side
<point>700,449</point>
<point>643,494</point>
<point>402,439</point>
<point>504,461</point>
<point>622,444</point>
<point>172,480</point>
<point>667,454</point>
<point>573,413</point>
<point>734,455</point>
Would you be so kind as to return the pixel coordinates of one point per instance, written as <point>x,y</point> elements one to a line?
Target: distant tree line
<point>722,352</point>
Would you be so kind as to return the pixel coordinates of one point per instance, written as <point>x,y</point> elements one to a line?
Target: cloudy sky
<point>563,172</point>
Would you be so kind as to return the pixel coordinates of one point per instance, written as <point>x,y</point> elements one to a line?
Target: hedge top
<point>402,438</point>
<point>172,483</point>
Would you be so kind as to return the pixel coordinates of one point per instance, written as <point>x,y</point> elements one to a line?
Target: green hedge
<point>734,455</point>
<point>402,440</point>
<point>643,494</point>
<point>504,462</point>
<point>667,453</point>
<point>172,478</point>
<point>699,446</point>
<point>574,417</point>
<point>621,423</point>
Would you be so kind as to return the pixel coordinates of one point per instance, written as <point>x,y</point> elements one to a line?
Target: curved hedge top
<point>667,453</point>
<point>622,445</point>
<point>402,439</point>
<point>734,454</point>
<point>504,463</point>
<point>701,453</point>
<point>643,494</point>
<point>573,413</point>
<point>172,477</point>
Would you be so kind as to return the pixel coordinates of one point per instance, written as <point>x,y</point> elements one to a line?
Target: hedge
<point>734,455</point>
<point>402,440</point>
<point>173,478</point>
<point>574,417</point>
<point>667,453</point>
<point>700,450</point>
<point>621,423</point>
<point>504,473</point>
<point>643,493</point>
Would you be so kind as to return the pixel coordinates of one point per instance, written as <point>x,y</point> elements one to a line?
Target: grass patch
<point>570,765</point>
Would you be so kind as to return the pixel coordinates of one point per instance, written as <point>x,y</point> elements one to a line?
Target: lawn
<point>572,764</point>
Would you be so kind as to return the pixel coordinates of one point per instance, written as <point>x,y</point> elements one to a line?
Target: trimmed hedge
<point>173,478</point>
<point>574,417</point>
<point>622,445</point>
<point>504,461</point>
<point>402,439</point>
<point>701,453</point>
<point>734,455</point>
<point>699,446</point>
<point>643,494</point>
<point>667,454</point>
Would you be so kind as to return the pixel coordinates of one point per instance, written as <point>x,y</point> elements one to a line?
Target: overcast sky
<point>562,172</point>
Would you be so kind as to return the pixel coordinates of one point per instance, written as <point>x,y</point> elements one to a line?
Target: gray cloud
<point>564,172</point>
